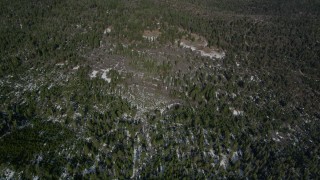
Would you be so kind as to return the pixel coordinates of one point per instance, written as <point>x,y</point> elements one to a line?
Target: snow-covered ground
<point>60,64</point>
<point>224,161</point>
<point>184,45</point>
<point>236,112</point>
<point>8,174</point>
<point>94,74</point>
<point>212,54</point>
<point>76,67</point>
<point>235,157</point>
<point>104,75</point>
<point>201,47</point>
<point>108,30</point>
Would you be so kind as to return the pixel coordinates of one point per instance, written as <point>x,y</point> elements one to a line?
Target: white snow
<point>237,112</point>
<point>39,159</point>
<point>235,157</point>
<point>108,30</point>
<point>104,75</point>
<point>148,138</point>
<point>94,74</point>
<point>212,54</point>
<point>184,45</point>
<point>152,38</point>
<point>211,152</point>
<point>168,107</point>
<point>90,170</point>
<point>8,174</point>
<point>31,87</point>
<point>217,94</point>
<point>76,67</point>
<point>276,139</point>
<point>224,161</point>
<point>136,156</point>
<point>65,174</point>
<point>75,115</point>
<point>60,64</point>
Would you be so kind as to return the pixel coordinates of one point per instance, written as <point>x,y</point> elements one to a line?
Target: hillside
<point>199,89</point>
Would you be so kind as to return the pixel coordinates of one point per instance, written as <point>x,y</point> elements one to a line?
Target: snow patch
<point>8,174</point>
<point>235,157</point>
<point>212,54</point>
<point>136,156</point>
<point>200,45</point>
<point>92,169</point>
<point>94,74</point>
<point>108,30</point>
<point>60,64</point>
<point>276,139</point>
<point>76,67</point>
<point>184,45</point>
<point>236,112</point>
<point>39,159</point>
<point>76,115</point>
<point>65,174</point>
<point>151,35</point>
<point>104,75</point>
<point>224,161</point>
